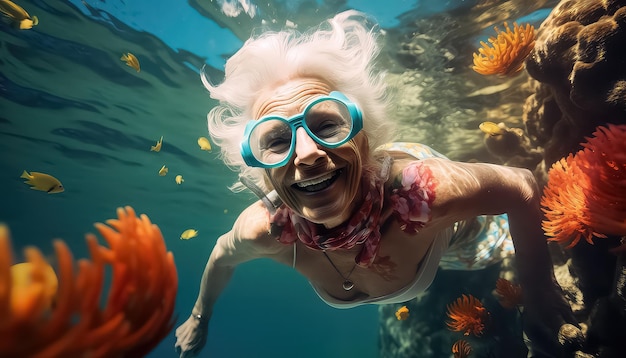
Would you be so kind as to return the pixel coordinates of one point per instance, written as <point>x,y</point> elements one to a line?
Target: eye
<point>278,145</point>
<point>329,120</point>
<point>327,128</point>
<point>276,142</point>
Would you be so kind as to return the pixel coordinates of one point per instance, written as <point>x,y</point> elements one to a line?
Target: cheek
<point>274,179</point>
<point>355,160</point>
<point>356,151</point>
<point>362,143</point>
<point>268,182</point>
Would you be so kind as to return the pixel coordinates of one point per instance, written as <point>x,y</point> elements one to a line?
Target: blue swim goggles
<point>329,120</point>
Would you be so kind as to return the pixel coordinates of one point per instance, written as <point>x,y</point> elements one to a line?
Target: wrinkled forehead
<point>289,98</point>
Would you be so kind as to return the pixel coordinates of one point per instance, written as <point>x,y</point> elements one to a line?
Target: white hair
<point>340,52</point>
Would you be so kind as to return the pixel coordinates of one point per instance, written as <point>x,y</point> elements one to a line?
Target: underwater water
<point>70,108</point>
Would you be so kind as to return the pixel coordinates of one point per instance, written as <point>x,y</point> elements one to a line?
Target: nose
<point>307,150</point>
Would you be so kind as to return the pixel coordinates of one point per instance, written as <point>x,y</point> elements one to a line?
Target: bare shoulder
<point>252,230</point>
<point>462,190</point>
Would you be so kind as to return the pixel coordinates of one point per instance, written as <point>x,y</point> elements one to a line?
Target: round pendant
<point>347,285</point>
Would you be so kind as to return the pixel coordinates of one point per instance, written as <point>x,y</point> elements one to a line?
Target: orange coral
<point>510,294</point>
<point>584,196</point>
<point>605,155</point>
<point>565,204</point>
<point>505,54</point>
<point>468,315</point>
<point>461,349</point>
<point>138,310</point>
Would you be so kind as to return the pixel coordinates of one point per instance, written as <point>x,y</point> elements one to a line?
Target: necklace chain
<point>347,283</point>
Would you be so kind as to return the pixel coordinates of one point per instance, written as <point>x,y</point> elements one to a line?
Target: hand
<point>191,337</point>
<point>549,322</point>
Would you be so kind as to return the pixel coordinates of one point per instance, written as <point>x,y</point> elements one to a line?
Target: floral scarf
<point>362,228</point>
<point>410,203</point>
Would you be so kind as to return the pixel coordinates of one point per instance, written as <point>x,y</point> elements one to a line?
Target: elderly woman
<point>302,117</point>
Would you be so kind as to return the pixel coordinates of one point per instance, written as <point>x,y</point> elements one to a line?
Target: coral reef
<point>425,332</point>
<point>461,349</point>
<point>137,313</point>
<point>510,294</point>
<point>467,314</point>
<point>579,83</point>
<point>441,100</point>
<point>511,145</point>
<point>504,55</point>
<point>584,199</point>
<point>585,192</point>
<point>578,63</point>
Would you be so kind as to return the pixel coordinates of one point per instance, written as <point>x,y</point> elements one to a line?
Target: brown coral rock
<point>579,56</point>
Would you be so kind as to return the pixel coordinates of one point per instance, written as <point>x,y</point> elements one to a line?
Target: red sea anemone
<point>565,204</point>
<point>605,154</point>
<point>510,295</point>
<point>505,54</point>
<point>137,313</point>
<point>461,349</point>
<point>468,315</point>
<point>584,196</point>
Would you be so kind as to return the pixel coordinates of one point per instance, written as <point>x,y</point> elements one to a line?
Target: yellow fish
<point>163,171</point>
<point>491,128</point>
<point>188,234</point>
<point>179,179</point>
<point>204,144</point>
<point>17,15</point>
<point>157,146</point>
<point>43,182</point>
<point>402,313</point>
<point>131,60</point>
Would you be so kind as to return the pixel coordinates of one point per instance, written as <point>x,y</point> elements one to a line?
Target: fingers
<point>186,353</point>
<point>189,339</point>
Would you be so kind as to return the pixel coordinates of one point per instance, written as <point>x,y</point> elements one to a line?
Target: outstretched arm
<point>249,239</point>
<point>465,190</point>
<point>435,193</point>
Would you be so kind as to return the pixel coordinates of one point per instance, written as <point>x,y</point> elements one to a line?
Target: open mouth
<point>317,184</point>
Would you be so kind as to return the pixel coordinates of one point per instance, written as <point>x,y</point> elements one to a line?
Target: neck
<point>347,214</point>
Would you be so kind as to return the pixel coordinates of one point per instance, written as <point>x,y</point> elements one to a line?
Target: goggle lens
<point>270,141</point>
<point>328,122</point>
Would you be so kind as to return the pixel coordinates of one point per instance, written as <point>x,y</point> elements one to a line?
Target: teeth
<point>304,184</point>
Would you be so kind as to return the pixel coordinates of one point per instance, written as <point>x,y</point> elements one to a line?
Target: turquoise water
<point>70,108</point>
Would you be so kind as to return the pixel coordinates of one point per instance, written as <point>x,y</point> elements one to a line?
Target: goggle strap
<point>271,200</point>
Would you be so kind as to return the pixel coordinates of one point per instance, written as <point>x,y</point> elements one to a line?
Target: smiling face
<point>320,184</point>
